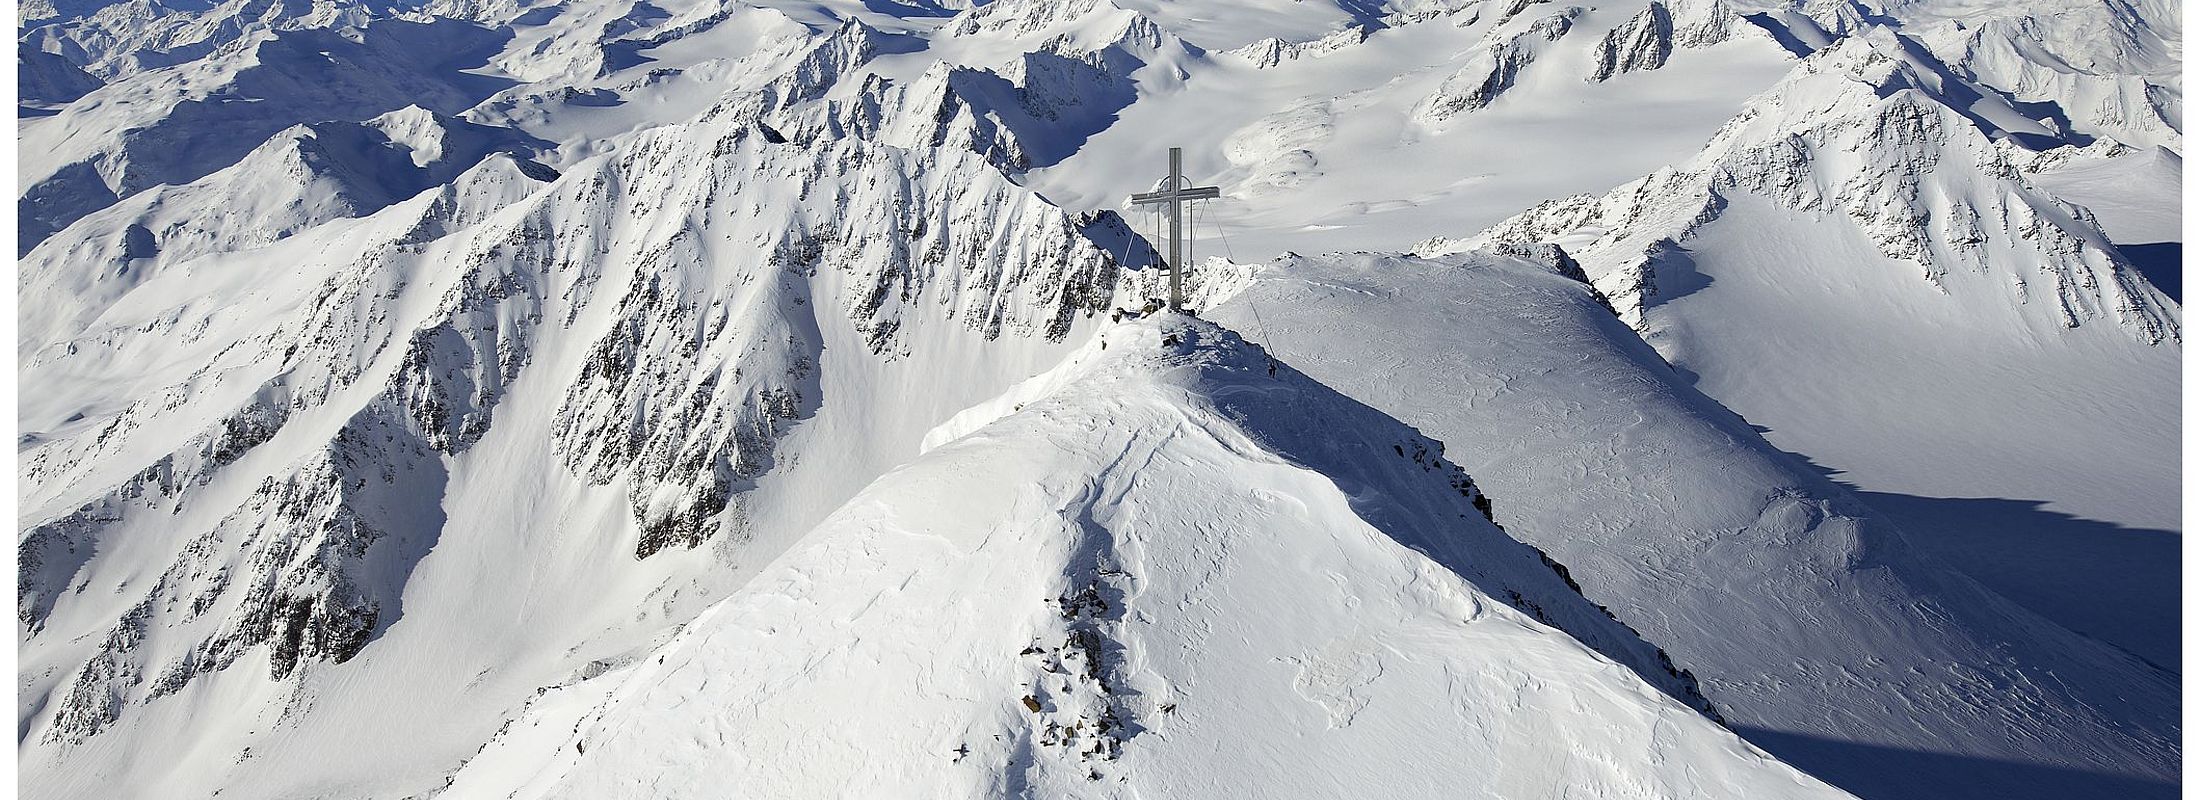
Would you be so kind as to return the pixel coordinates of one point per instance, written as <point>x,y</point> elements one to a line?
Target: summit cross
<point>1175,195</point>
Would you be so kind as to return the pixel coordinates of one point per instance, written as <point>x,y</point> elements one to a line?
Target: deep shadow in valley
<point>1874,772</point>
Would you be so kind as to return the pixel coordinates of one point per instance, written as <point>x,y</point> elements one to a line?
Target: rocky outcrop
<point>649,405</point>
<point>1646,40</point>
<point>301,571</point>
<point>1492,70</point>
<point>699,263</point>
<point>1643,42</point>
<point>1850,135</point>
<point>687,395</point>
<point>1271,51</point>
<point>1082,709</point>
<point>2101,70</point>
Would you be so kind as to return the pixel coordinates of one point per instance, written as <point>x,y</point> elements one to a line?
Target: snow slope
<point>1818,630</point>
<point>344,434</point>
<point>43,80</point>
<point>330,170</point>
<point>2135,195</point>
<point>1388,132</point>
<point>1854,265</point>
<point>2139,199</point>
<point>396,363</point>
<point>1160,553</point>
<point>178,123</point>
<point>2108,70</point>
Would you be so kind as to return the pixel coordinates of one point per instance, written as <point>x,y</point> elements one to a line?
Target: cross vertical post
<point>1174,194</point>
<point>1176,231</point>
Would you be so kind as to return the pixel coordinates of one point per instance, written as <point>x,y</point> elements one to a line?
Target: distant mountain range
<point>671,398</point>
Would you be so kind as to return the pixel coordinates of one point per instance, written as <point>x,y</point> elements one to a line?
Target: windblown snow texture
<point>1160,551</point>
<point>647,397</point>
<point>1683,517</point>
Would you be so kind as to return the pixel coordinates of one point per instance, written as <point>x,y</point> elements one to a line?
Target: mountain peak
<point>679,398</point>
<point>1159,548</point>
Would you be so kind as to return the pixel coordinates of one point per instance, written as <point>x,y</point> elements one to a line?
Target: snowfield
<point>640,398</point>
<point>1159,555</point>
<point>1690,525</point>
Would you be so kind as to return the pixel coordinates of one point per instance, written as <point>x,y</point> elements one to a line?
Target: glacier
<point>648,398</point>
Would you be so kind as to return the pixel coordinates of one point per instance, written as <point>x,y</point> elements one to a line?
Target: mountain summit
<point>625,398</point>
<point>1167,568</point>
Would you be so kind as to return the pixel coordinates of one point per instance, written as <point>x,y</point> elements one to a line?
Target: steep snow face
<point>177,124</point>
<point>44,80</point>
<point>1646,40</point>
<point>2110,70</point>
<point>326,171</point>
<point>1497,67</point>
<point>1946,418</point>
<point>1853,265</point>
<point>432,355</point>
<point>1852,137</point>
<point>1817,629</point>
<point>2135,195</point>
<point>673,331</point>
<point>1158,551</point>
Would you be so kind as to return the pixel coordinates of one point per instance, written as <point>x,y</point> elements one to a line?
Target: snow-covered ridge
<point>714,244</point>
<point>46,79</point>
<point>439,357</point>
<point>2109,70</point>
<point>1704,536</point>
<point>1852,136</point>
<point>1346,583</point>
<point>329,171</point>
<point>1272,51</point>
<point>1646,40</point>
<point>177,124</point>
<point>1495,69</point>
<point>1221,374</point>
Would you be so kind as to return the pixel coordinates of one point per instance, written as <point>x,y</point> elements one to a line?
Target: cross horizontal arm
<point>1192,193</point>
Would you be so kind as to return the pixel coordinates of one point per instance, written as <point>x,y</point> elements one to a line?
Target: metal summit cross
<point>1175,195</point>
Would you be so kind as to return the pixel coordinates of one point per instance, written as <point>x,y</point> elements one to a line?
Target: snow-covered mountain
<point>1160,551</point>
<point>1683,519</point>
<point>649,397</point>
<point>1854,265</point>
